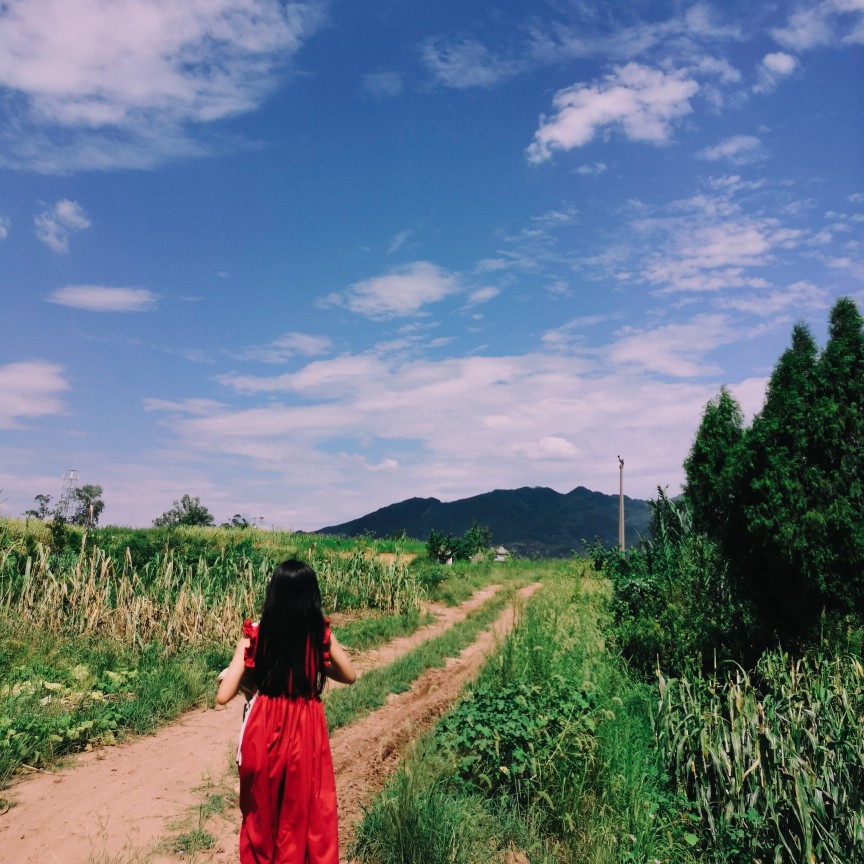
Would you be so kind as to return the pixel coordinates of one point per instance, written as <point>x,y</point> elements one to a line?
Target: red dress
<point>287,786</point>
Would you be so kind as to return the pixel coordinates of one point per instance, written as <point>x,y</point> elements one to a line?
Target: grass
<point>349,704</point>
<point>454,584</point>
<point>550,753</point>
<point>372,629</point>
<point>58,696</point>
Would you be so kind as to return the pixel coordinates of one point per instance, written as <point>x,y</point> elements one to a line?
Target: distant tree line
<point>88,506</point>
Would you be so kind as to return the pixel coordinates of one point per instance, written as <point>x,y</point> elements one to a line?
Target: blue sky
<point>306,260</point>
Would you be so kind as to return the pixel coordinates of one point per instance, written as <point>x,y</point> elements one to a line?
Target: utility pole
<point>621,505</point>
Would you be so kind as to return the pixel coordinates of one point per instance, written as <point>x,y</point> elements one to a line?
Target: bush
<point>673,605</point>
<point>442,546</point>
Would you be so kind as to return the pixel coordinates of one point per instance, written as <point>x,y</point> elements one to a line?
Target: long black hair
<point>289,658</point>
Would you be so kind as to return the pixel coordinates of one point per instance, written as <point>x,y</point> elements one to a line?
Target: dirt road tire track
<point>114,801</point>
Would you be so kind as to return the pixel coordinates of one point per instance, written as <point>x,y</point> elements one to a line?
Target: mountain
<point>530,522</point>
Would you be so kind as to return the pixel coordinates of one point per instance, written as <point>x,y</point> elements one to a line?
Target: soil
<point>114,804</point>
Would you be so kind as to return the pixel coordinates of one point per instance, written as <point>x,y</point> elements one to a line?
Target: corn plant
<point>180,602</point>
<point>773,760</point>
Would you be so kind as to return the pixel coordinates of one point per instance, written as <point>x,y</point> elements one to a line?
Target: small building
<point>501,554</point>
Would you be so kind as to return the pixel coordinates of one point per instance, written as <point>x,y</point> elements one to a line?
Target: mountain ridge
<point>531,521</point>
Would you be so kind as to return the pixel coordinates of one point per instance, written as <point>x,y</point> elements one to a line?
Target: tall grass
<point>176,601</point>
<point>773,760</point>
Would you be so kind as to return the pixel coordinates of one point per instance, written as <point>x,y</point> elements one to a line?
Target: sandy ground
<point>114,804</point>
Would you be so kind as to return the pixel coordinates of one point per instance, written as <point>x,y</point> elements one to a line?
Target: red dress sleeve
<point>326,642</point>
<point>250,631</point>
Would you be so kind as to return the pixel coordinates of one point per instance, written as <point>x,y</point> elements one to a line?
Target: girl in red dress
<point>287,787</point>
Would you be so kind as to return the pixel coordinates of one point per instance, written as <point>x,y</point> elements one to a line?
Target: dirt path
<point>114,802</point>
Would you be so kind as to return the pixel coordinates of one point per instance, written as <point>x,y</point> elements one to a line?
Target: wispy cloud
<point>594,168</point>
<point>737,149</point>
<point>401,238</point>
<point>4,226</point>
<point>677,350</point>
<point>800,297</point>
<point>81,77</point>
<point>483,295</point>
<point>30,389</point>
<point>401,292</point>
<point>287,346</point>
<point>639,101</point>
<point>384,84</point>
<point>100,298</point>
<point>56,225</point>
<point>829,22</point>
<point>529,413</point>
<point>713,245</point>
<point>552,418</point>
<point>466,64</point>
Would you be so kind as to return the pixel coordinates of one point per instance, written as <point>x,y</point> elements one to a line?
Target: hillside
<point>531,521</point>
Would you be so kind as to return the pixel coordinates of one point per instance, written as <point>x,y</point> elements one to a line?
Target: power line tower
<point>67,493</point>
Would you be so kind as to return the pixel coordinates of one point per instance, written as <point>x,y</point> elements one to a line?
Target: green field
<point>568,748</point>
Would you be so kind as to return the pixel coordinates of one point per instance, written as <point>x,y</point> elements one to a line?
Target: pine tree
<point>835,524</point>
<point>712,469</point>
<point>774,496</point>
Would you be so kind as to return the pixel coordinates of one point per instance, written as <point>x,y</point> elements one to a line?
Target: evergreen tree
<point>835,524</point>
<point>774,496</point>
<point>713,467</point>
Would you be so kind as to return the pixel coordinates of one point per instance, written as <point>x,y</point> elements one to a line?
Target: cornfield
<point>774,758</point>
<point>179,602</point>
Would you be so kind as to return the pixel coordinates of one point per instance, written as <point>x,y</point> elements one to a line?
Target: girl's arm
<point>341,668</point>
<point>229,680</point>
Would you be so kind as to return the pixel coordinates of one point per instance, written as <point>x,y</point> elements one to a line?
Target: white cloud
<point>125,81</point>
<point>399,293</point>
<point>713,246</point>
<point>677,350</point>
<point>30,389</point>
<point>537,418</point>
<point>592,168</point>
<point>56,225</point>
<point>641,101</point>
<point>780,63</point>
<point>772,69</point>
<point>383,85</point>
<point>4,226</point>
<point>483,295</point>
<point>829,22</point>
<point>99,298</point>
<point>567,333</point>
<point>738,149</point>
<point>465,64</point>
<point>553,448</point>
<point>287,346</point>
<point>800,296</point>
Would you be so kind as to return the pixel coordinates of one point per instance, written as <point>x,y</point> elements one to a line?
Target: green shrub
<point>672,603</point>
<point>442,547</point>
